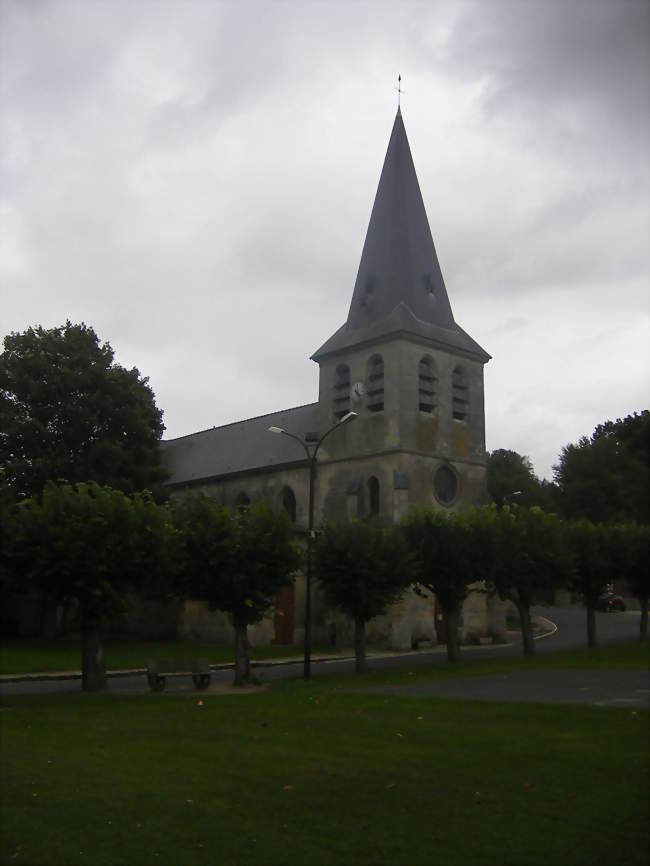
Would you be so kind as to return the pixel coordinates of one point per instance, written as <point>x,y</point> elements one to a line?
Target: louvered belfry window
<point>427,385</point>
<point>459,394</point>
<point>341,395</point>
<point>375,388</point>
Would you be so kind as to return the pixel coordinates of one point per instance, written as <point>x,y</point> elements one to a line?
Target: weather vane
<point>399,89</point>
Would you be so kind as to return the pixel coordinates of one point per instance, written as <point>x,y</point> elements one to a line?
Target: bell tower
<point>401,361</point>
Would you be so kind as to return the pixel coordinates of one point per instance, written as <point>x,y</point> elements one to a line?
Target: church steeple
<point>399,262</point>
<point>399,286</point>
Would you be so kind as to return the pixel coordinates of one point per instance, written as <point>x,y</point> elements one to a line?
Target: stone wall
<point>201,624</point>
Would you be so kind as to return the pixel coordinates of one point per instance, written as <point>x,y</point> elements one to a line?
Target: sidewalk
<point>346,654</point>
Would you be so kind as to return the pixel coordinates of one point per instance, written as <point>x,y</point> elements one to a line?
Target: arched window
<point>242,501</point>
<point>459,394</point>
<point>289,503</point>
<point>427,385</point>
<point>341,395</point>
<point>373,496</point>
<point>375,389</point>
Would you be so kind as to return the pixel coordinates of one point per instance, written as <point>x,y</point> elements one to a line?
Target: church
<point>413,377</point>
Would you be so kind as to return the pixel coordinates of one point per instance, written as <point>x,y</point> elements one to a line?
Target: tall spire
<point>399,285</point>
<point>399,262</point>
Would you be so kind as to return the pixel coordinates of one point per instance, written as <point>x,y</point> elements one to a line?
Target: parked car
<point>609,601</point>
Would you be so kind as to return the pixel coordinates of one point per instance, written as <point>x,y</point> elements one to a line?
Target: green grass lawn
<point>309,773</point>
<point>34,656</point>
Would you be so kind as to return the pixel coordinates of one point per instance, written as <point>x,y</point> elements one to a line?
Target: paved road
<point>604,688</point>
<point>571,632</point>
<point>571,625</point>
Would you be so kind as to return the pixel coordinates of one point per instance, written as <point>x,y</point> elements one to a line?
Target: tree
<point>630,545</point>
<point>362,567</point>
<point>528,554</point>
<point>68,412</point>
<point>7,518</point>
<point>591,546</point>
<point>236,561</point>
<point>441,544</point>
<point>89,545</point>
<point>511,475</point>
<point>604,478</point>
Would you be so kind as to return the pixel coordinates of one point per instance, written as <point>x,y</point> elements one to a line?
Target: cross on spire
<point>399,89</point>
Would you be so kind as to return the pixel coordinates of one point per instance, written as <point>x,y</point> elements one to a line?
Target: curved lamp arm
<point>349,417</point>
<point>291,436</point>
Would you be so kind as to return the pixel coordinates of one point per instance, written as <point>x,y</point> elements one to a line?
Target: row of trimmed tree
<point>518,553</point>
<point>89,545</point>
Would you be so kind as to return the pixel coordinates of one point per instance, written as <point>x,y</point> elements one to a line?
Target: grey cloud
<point>198,186</point>
<point>561,52</point>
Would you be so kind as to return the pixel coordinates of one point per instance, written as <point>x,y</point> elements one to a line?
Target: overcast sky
<point>195,180</point>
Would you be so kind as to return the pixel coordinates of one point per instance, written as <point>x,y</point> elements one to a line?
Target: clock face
<point>357,390</point>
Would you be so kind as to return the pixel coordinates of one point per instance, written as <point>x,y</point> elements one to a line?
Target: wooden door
<point>284,606</point>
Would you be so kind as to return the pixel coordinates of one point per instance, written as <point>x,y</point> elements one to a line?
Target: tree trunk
<point>451,632</point>
<point>591,627</point>
<point>93,666</point>
<point>242,657</point>
<point>360,646</point>
<point>526,628</point>
<point>643,630</point>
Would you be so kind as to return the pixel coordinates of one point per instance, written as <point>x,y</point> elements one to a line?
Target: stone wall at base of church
<point>147,619</point>
<point>199,623</point>
<point>473,620</point>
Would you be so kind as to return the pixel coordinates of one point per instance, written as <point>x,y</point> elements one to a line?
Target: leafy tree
<point>591,546</point>
<point>605,478</point>
<point>630,554</point>
<point>205,530</point>
<point>68,412</point>
<point>362,568</point>
<point>236,561</point>
<point>510,478</point>
<point>441,544</point>
<point>7,518</point>
<point>527,555</point>
<point>89,545</point>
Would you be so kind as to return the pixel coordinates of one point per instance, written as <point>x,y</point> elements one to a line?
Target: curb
<point>551,627</point>
<point>7,679</point>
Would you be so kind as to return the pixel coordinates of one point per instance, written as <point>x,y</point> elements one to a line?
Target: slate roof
<point>238,447</point>
<point>399,286</point>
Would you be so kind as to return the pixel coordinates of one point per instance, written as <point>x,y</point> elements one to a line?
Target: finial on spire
<point>399,90</point>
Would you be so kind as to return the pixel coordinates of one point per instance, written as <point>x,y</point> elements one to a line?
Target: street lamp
<point>311,444</point>
<point>510,495</point>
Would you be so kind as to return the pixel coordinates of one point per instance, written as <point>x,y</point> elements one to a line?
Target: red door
<point>284,616</point>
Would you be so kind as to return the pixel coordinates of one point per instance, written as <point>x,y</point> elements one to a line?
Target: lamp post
<point>311,444</point>
<point>510,495</point>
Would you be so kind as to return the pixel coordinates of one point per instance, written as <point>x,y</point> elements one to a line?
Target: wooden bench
<point>159,669</point>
